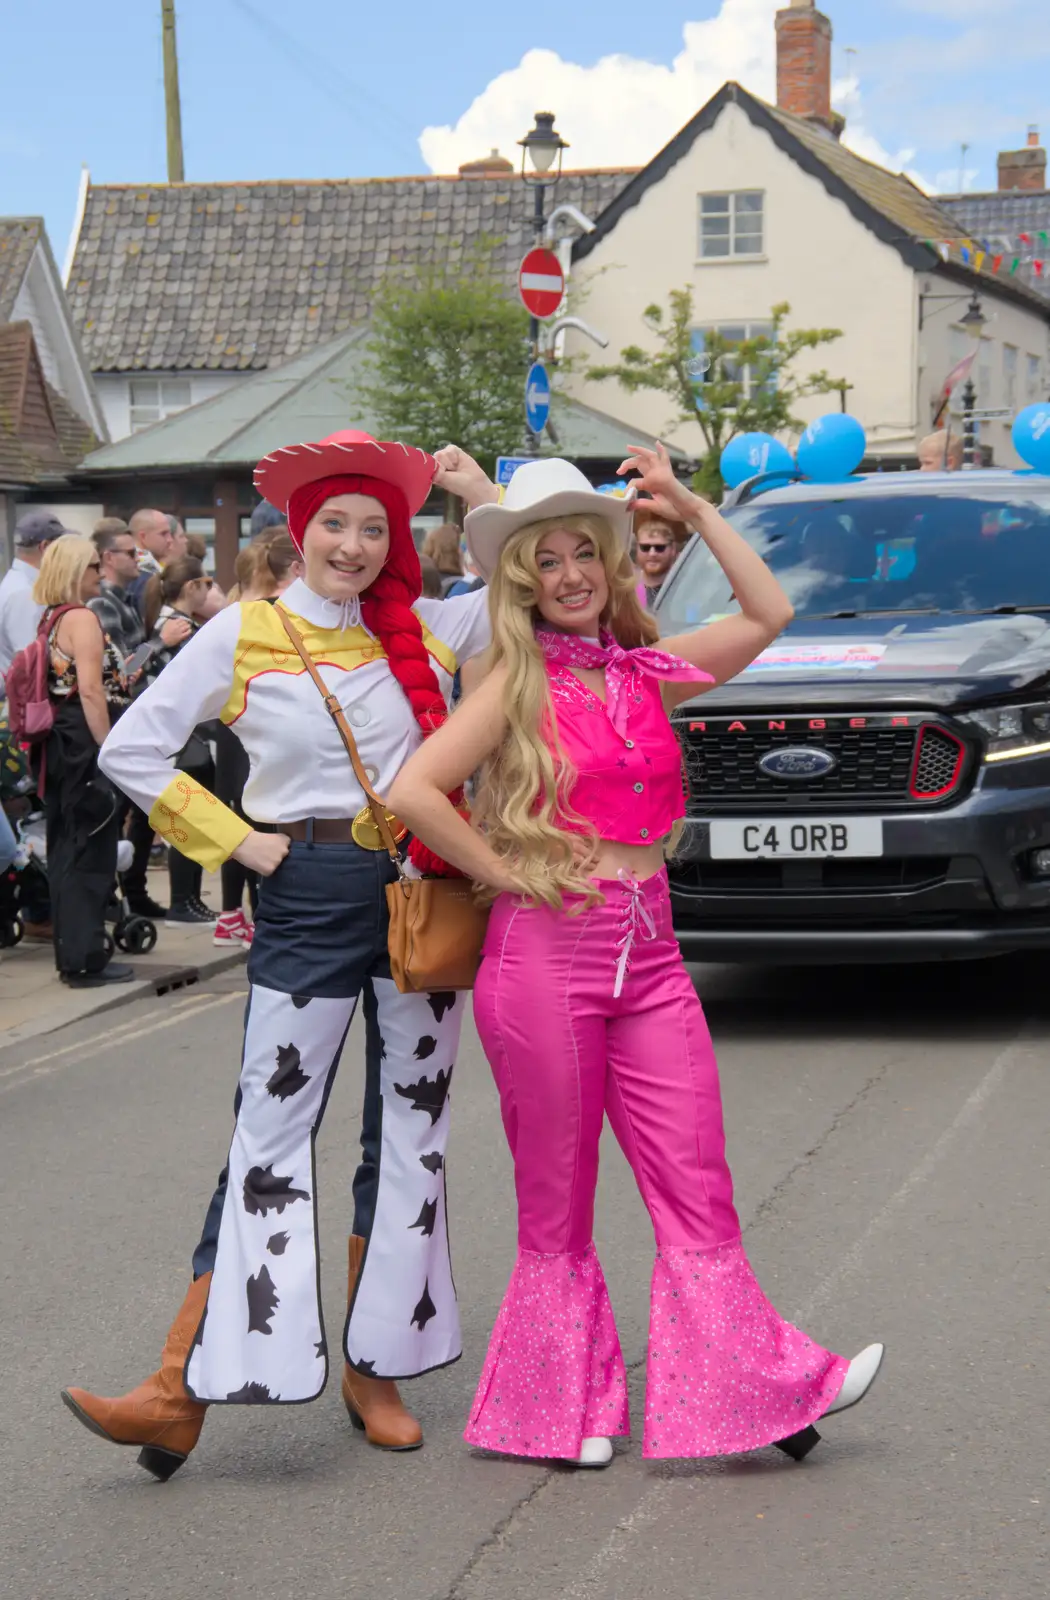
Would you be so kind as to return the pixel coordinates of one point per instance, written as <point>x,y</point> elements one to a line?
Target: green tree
<point>447,361</point>
<point>748,385</point>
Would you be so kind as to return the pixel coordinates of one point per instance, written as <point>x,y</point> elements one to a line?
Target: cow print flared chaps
<point>262,1338</point>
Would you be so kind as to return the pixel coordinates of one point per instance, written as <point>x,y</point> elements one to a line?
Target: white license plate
<point>796,839</point>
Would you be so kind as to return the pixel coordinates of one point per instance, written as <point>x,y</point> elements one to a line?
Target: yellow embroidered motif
<point>263,647</point>
<point>197,824</point>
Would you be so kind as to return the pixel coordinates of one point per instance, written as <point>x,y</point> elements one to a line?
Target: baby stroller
<point>133,934</point>
<point>25,883</point>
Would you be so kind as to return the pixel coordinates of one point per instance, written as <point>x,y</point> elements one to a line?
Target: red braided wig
<point>386,606</point>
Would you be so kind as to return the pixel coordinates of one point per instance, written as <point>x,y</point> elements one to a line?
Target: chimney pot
<point>804,65</point>
<point>1023,169</point>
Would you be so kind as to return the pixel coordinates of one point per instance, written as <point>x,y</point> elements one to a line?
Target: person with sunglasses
<point>86,688</point>
<point>658,543</point>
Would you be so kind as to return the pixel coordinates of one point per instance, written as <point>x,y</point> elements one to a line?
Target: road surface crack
<point>496,1539</point>
<point>769,1203</point>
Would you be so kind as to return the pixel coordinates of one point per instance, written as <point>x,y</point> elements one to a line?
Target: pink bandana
<point>619,665</point>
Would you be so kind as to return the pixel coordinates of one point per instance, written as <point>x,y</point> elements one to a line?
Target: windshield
<point>894,553</point>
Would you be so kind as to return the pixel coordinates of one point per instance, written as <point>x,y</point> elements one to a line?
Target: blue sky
<point>322,88</point>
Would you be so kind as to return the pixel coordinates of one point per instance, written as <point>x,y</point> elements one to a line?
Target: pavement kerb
<point>94,1001</point>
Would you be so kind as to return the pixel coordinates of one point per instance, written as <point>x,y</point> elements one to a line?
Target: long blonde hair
<point>526,782</point>
<point>62,571</point>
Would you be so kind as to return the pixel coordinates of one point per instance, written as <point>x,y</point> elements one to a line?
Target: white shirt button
<point>644,833</point>
<point>629,744</point>
<point>372,774</point>
<point>359,716</point>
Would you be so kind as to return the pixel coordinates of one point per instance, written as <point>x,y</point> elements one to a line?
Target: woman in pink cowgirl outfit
<point>580,794</point>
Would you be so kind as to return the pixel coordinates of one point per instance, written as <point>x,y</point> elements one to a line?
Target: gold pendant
<point>365,830</point>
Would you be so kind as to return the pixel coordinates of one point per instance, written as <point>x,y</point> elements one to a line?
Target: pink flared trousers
<point>594,1013</point>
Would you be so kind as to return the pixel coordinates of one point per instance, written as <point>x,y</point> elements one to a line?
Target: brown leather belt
<point>319,830</point>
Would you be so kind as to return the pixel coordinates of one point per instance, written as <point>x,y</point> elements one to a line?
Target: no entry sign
<point>541,283</point>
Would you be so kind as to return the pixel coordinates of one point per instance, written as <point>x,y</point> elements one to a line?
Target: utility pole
<point>176,169</point>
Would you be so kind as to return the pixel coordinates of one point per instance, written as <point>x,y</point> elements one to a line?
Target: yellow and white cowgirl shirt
<point>242,669</point>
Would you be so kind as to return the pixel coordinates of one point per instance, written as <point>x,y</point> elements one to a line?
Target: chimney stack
<point>804,65</point>
<point>1024,169</point>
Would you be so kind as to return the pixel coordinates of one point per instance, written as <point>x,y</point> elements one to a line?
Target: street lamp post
<point>969,426</point>
<point>541,151</point>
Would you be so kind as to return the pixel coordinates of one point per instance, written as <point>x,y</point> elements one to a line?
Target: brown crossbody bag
<point>436,928</point>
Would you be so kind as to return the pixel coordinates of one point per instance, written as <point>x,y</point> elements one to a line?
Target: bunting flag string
<point>999,252</point>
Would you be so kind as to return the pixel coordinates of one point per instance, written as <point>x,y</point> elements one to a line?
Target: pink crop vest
<point>630,789</point>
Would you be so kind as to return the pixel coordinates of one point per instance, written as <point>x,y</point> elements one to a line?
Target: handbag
<point>436,929</point>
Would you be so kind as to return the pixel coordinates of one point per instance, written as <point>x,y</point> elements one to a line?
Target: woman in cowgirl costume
<point>250,1329</point>
<point>583,1003</point>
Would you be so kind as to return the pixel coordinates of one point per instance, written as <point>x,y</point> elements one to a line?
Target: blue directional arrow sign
<point>537,397</point>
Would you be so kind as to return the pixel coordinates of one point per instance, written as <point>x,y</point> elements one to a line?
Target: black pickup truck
<point>877,785</point>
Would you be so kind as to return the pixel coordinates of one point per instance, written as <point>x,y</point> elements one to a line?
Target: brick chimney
<point>1024,169</point>
<point>804,65</point>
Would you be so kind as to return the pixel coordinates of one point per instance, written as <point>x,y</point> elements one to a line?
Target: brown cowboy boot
<point>374,1404</point>
<point>159,1415</point>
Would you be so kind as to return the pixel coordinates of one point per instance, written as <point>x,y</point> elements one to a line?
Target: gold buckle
<point>365,830</point>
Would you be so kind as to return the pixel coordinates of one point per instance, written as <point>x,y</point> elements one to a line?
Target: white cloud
<point>621,110</point>
<point>847,97</point>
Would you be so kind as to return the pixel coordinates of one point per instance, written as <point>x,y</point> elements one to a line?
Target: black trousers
<point>139,830</point>
<point>232,770</point>
<point>83,824</point>
<point>185,877</point>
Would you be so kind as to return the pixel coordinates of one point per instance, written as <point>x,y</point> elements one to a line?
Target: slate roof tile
<point>1000,218</point>
<point>223,256</point>
<point>19,237</point>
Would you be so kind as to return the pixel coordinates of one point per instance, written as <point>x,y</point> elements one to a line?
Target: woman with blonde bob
<point>84,684</point>
<point>583,1003</point>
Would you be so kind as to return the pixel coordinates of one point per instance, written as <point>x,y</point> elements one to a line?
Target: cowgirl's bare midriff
<point>644,860</point>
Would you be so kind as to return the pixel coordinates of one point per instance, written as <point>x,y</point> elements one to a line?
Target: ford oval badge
<point>797,763</point>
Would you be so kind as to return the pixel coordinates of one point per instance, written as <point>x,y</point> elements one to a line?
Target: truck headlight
<point>1010,732</point>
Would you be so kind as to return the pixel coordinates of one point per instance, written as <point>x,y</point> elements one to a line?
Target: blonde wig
<point>62,571</point>
<point>526,783</point>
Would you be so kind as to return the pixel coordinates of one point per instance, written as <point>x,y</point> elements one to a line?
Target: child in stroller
<point>23,863</point>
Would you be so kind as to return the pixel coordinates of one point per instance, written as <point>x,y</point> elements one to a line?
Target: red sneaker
<point>233,929</point>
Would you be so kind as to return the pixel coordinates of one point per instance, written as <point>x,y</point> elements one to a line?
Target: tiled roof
<point>41,437</point>
<point>888,203</point>
<point>19,237</point>
<point>1002,217</point>
<point>309,398</point>
<point>239,276</point>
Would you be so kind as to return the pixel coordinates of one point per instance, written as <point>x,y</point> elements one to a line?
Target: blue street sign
<point>507,466</point>
<point>537,397</point>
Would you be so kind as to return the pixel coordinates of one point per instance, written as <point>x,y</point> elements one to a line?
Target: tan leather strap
<point>335,711</point>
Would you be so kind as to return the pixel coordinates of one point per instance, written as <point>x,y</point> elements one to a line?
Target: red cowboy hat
<point>348,452</point>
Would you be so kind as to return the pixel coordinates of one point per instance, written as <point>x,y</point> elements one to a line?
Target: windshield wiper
<point>847,616</point>
<point>1007,610</point>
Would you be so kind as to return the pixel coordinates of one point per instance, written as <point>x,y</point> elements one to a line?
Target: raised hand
<point>458,473</point>
<point>657,480</point>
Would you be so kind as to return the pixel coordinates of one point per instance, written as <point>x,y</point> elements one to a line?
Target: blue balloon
<point>831,448</point>
<point>750,454</point>
<point>618,488</point>
<point>1031,435</point>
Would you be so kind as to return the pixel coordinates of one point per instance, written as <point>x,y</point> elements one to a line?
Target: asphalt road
<point>889,1133</point>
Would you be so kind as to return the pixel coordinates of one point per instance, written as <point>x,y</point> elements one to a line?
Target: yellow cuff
<point>197,824</point>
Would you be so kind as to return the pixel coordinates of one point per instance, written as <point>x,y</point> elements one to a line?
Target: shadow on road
<point>972,999</point>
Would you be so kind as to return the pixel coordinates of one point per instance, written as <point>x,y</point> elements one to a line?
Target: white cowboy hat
<point>540,489</point>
